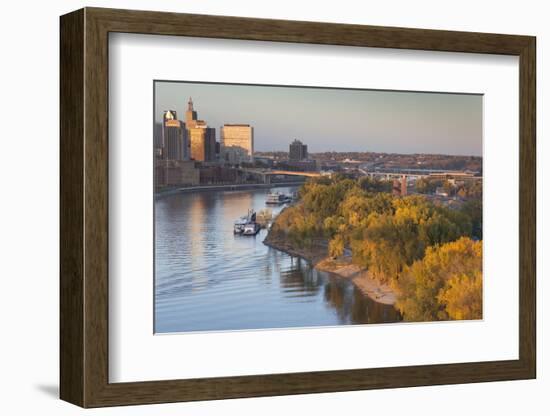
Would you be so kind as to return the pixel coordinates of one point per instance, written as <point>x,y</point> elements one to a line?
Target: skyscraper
<point>190,114</point>
<point>297,151</point>
<point>175,144</point>
<point>202,138</point>
<point>203,143</point>
<point>237,143</point>
<point>157,139</point>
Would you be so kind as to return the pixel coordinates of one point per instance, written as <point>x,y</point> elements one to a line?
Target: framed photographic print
<point>243,199</point>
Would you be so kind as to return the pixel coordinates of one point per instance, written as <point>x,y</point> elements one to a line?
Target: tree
<point>369,184</point>
<point>449,187</point>
<point>474,189</point>
<point>336,246</point>
<point>462,296</point>
<point>386,234</point>
<point>474,210</point>
<point>444,284</point>
<point>323,200</point>
<point>293,223</point>
<point>358,205</point>
<point>386,245</point>
<point>427,186</point>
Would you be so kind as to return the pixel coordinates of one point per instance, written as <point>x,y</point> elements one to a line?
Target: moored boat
<point>238,227</point>
<point>247,225</point>
<point>252,228</point>
<point>277,198</point>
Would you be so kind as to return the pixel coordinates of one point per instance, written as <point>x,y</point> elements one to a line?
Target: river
<point>207,279</point>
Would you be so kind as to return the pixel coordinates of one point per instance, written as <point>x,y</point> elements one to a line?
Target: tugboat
<point>238,227</point>
<point>252,228</point>
<point>247,225</point>
<point>277,198</point>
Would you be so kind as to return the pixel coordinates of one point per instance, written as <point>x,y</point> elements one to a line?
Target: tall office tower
<point>203,143</point>
<point>157,140</point>
<point>237,143</point>
<point>190,114</point>
<point>202,139</point>
<point>297,151</point>
<point>211,143</point>
<point>174,138</point>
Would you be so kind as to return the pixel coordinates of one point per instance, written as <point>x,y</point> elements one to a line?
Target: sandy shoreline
<point>342,267</point>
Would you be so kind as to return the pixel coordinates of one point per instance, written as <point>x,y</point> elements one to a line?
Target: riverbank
<point>316,254</point>
<point>227,187</point>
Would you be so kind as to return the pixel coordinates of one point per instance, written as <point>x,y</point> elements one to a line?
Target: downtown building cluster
<point>187,152</point>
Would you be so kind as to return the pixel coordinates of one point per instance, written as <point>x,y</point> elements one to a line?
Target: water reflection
<point>355,308</point>
<point>208,279</point>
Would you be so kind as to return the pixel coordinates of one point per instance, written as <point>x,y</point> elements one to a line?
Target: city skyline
<point>361,120</point>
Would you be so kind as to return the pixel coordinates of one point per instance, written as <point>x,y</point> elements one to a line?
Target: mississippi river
<point>207,279</point>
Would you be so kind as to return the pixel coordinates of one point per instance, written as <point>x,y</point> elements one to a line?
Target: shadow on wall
<point>48,389</point>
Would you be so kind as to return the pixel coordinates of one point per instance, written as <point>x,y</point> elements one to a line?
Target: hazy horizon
<point>328,119</point>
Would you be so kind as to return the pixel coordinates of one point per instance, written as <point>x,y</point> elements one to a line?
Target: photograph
<point>301,207</point>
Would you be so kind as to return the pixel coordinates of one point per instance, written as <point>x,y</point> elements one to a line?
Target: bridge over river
<point>265,175</point>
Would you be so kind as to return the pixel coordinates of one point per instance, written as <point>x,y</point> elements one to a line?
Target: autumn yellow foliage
<point>445,284</point>
<point>463,296</point>
<point>426,252</point>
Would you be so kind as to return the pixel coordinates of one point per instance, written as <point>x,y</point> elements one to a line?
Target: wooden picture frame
<point>84,207</point>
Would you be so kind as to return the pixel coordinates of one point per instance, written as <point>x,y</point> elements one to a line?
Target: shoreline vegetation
<point>407,251</point>
<point>343,267</point>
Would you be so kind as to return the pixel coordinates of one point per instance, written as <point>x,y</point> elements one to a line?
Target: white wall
<point>29,208</point>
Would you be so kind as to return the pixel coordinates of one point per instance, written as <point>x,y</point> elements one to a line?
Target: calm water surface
<point>207,279</point>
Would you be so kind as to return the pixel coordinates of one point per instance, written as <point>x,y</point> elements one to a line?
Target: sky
<point>341,120</point>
